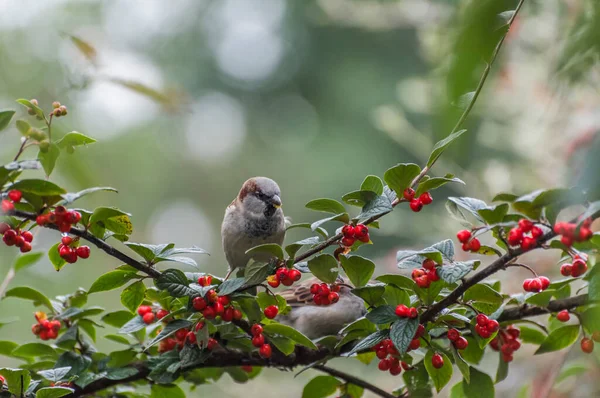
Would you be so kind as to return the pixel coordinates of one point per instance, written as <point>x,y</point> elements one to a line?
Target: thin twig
<point>354,380</point>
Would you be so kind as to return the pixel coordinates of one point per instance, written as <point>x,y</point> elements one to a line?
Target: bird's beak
<point>276,201</point>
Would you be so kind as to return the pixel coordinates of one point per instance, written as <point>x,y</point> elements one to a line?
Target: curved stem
<point>354,380</point>
<point>535,275</point>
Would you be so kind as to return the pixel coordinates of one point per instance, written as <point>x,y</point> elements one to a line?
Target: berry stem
<point>535,275</point>
<point>354,380</point>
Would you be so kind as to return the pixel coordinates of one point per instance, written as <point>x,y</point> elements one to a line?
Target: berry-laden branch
<point>526,310</point>
<point>110,250</point>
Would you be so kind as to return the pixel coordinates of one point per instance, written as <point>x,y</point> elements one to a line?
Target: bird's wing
<point>300,295</point>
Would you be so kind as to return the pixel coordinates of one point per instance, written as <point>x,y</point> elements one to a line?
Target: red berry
<point>323,289</point>
<point>482,320</point>
<point>237,314</point>
<point>74,217</point>
<point>64,227</point>
<point>66,240</point>
<point>381,354</point>
<point>515,236</point>
<point>191,338</point>
<point>55,325</point>
<point>199,303</point>
<point>402,311</point>
<point>246,368</point>
<point>25,247</point>
<point>596,336</point>
<point>409,194</point>
<point>513,332</point>
<point>423,281</point>
<point>287,281</point>
<point>212,343</point>
<point>265,351</point>
<point>463,236</point>
<point>4,227</point>
<point>41,220</point>
<point>7,206</point>
<point>199,326</point>
<point>10,237</point>
<point>566,240</point>
<point>433,275</point>
<point>52,334</point>
<point>527,285</point>
<point>420,331</point>
<point>162,313</point>
<point>227,315</point>
<point>364,239</point>
<point>333,297</point>
<point>453,334</point>
<point>224,300</point>
<point>528,243</point>
<point>525,225</point>
<point>417,273</point>
<point>281,273</point>
<point>361,231</point>
<point>209,313</point>
<point>565,269</point>
<point>19,240</point>
<point>314,288</point>
<point>461,343</point>
<point>579,267</point>
<point>148,318</point>
<point>545,282</point>
<point>271,311</point>
<point>219,309</point>
<point>28,236</point>
<point>492,325</point>
<point>587,345</point>
<point>474,245</point>
<point>181,334</point>
<point>256,329</point>
<point>71,257</point>
<point>536,232</point>
<point>426,198</point>
<point>413,313</point>
<point>437,361</point>
<point>273,281</point>
<point>584,234</point>
<point>384,365</point>
<point>414,344</point>
<point>563,316</point>
<point>395,369</point>
<point>429,264</point>
<point>484,332</point>
<point>416,205</point>
<point>143,310</point>
<point>348,242</point>
<point>258,340</point>
<point>405,365</point>
<point>15,195</point>
<point>348,231</point>
<point>83,251</point>
<point>295,275</point>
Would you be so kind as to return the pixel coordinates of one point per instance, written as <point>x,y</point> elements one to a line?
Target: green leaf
<point>502,371</point>
<point>56,374</point>
<point>105,214</point>
<point>472,205</point>
<point>359,198</point>
<point>572,370</point>
<point>38,187</point>
<point>377,207</point>
<point>38,111</point>
<point>342,217</point>
<point>373,184</point>
<point>133,325</point>
<point>452,273</point>
<point>71,197</point>
<point>324,267</point>
<point>401,176</point>
<point>321,387</point>
<point>73,139</point>
<point>57,261</point>
<point>26,260</point>
<point>121,358</point>
<point>358,269</point>
<point>371,294</point>
<point>230,286</point>
<point>257,272</point>
<point>494,214</point>
<point>461,364</point>
<point>401,281</point>
<point>169,329</point>
<point>383,314</point>
<point>326,205</point>
<point>417,381</point>
<point>112,280</point>
<point>441,376</point>
<point>118,339</point>
<point>48,158</point>
<point>166,391</point>
<point>402,332</point>
<point>7,347</point>
<point>289,332</point>
<point>293,248</point>
<point>283,344</point>
<point>34,350</point>
<point>481,385</point>
<point>17,380</point>
<point>175,282</point>
<point>5,117</point>
<point>441,146</point>
<point>394,296</point>
<point>532,336</point>
<point>483,298</point>
<point>117,318</point>
<point>28,293</point>
<point>23,127</point>
<point>558,339</point>
<point>271,248</point>
<point>53,392</point>
<point>436,182</point>
<point>133,295</point>
<point>370,341</point>
<point>505,197</point>
<point>320,231</point>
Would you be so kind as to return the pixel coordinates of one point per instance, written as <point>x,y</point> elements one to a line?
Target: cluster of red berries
<point>148,315</point>
<point>518,236</point>
<point>578,268</point>
<point>416,204</point>
<point>425,276</point>
<point>485,326</point>
<point>437,361</point>
<point>14,196</point>
<point>459,342</point>
<point>388,358</point>
<point>183,336</point>
<point>405,312</point>
<point>569,233</point>
<point>61,217</point>
<point>284,276</point>
<point>324,294</point>
<point>16,237</point>
<point>536,285</point>
<point>58,109</point>
<point>468,244</point>
<point>258,341</point>
<point>45,329</point>
<point>352,233</point>
<point>214,305</point>
<point>69,253</point>
<point>506,342</point>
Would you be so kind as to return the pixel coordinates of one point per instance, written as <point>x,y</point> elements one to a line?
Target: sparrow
<point>317,321</point>
<point>253,218</point>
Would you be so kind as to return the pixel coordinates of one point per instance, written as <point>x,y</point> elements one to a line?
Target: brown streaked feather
<point>248,188</point>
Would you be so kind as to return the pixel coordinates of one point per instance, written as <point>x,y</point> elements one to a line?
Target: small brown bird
<point>317,321</point>
<point>253,218</point>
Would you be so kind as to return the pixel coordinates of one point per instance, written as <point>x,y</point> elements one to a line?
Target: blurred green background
<point>189,98</point>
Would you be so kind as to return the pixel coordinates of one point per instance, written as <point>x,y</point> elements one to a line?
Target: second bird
<point>253,218</point>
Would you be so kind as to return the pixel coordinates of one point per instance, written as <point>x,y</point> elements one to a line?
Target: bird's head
<point>260,195</point>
